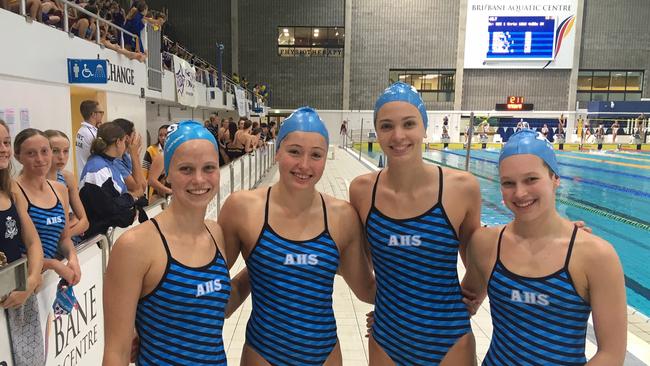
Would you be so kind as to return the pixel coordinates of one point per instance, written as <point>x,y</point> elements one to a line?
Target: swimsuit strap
<point>374,188</point>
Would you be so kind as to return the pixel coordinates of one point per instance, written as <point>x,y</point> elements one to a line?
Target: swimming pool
<point>610,191</point>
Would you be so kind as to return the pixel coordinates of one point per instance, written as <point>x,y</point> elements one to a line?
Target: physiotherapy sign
<point>87,71</point>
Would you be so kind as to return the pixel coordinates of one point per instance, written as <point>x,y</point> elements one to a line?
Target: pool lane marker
<point>613,215</point>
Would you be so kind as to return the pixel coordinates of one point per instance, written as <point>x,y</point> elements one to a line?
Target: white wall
<point>39,52</point>
<point>48,105</point>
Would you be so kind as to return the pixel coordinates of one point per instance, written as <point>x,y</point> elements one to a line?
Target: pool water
<point>610,191</point>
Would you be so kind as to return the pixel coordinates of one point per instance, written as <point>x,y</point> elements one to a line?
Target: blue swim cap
<point>402,92</point>
<point>181,132</point>
<point>303,119</point>
<point>529,141</point>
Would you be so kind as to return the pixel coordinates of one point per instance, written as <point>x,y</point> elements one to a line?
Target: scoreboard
<point>514,103</point>
<point>521,38</point>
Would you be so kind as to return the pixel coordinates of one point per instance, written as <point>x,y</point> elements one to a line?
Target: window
<point>609,85</point>
<point>433,85</point>
<point>311,41</point>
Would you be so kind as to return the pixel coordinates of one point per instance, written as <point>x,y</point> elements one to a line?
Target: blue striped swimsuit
<point>292,281</point>
<point>49,223</point>
<point>419,312</point>
<point>60,178</point>
<point>181,321</point>
<point>536,321</point>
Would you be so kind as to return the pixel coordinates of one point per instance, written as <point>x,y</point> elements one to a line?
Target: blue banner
<point>87,71</point>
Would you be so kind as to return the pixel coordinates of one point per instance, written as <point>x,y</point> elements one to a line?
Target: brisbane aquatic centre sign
<point>521,34</point>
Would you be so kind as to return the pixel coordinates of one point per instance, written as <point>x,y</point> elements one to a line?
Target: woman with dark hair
<point>233,149</point>
<point>134,23</point>
<point>103,190</point>
<point>19,237</point>
<point>47,203</point>
<point>60,145</point>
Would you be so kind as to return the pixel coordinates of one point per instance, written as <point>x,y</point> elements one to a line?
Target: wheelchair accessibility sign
<point>87,71</point>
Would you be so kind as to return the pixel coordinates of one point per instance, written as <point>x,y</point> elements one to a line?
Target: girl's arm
<point>156,169</point>
<point>65,242</point>
<point>81,225</point>
<point>608,305</point>
<point>122,289</point>
<point>354,264</point>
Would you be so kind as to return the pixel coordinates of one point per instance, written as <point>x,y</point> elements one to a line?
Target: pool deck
<point>350,312</point>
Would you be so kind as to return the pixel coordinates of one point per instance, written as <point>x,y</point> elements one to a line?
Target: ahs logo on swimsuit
<point>529,298</point>
<point>301,259</point>
<point>54,220</point>
<point>208,287</point>
<point>404,241</point>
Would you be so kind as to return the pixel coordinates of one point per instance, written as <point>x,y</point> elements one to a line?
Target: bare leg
<point>250,357</point>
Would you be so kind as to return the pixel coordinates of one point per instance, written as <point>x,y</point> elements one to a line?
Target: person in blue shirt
<point>131,170</point>
<point>103,191</point>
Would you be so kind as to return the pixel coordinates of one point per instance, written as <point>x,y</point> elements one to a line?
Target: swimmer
<point>295,240</point>
<point>544,277</point>
<point>47,203</point>
<point>60,144</point>
<point>168,276</point>
<point>418,217</point>
<point>615,127</point>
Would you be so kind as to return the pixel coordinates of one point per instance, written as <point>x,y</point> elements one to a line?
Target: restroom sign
<point>87,71</point>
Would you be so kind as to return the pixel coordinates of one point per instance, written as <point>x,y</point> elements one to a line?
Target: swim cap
<point>529,141</point>
<point>303,119</point>
<point>402,92</point>
<point>181,132</point>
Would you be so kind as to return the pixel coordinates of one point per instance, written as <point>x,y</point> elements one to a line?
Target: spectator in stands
<point>84,26</point>
<point>157,180</point>
<point>107,39</point>
<point>92,115</point>
<point>52,14</point>
<point>233,148</point>
<point>60,145</point>
<point>615,127</point>
<point>32,7</point>
<point>135,20</point>
<point>265,135</point>
<point>103,191</point>
<point>273,129</point>
<point>154,150</point>
<point>235,78</point>
<point>152,153</point>
<point>131,169</point>
<point>545,131</point>
<point>600,134</point>
<point>19,236</point>
<point>47,203</point>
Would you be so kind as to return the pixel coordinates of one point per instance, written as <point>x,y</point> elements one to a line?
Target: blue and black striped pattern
<point>49,223</point>
<point>181,321</point>
<point>292,322</point>
<point>536,321</point>
<point>60,178</point>
<point>419,313</point>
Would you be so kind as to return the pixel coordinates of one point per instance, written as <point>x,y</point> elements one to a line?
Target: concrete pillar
<point>573,79</point>
<point>234,35</point>
<point>347,53</point>
<point>460,55</point>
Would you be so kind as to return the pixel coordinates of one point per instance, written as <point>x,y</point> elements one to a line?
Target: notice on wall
<point>10,120</point>
<point>24,118</point>
<point>242,104</point>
